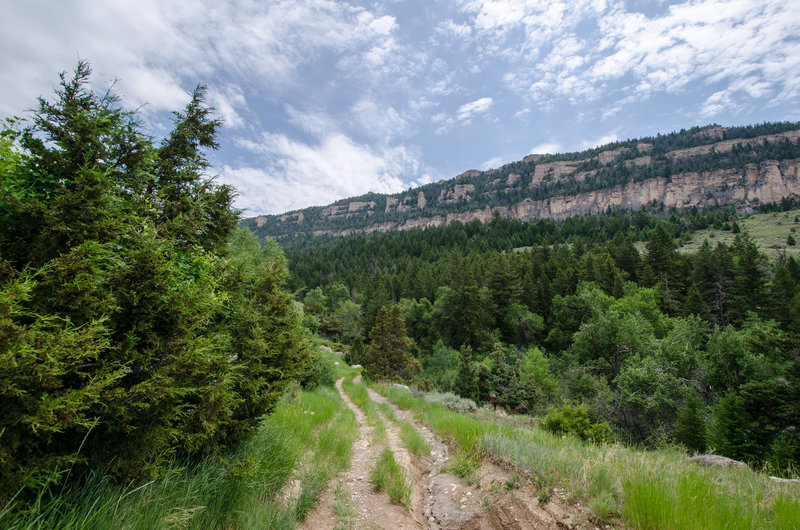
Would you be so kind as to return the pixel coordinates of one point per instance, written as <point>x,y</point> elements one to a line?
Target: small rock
<point>784,480</point>
<point>469,493</point>
<point>432,519</point>
<point>717,460</point>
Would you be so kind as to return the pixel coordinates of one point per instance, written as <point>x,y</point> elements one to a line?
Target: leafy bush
<point>574,420</point>
<point>321,371</point>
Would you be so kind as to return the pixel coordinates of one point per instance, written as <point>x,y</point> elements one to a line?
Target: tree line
<point>578,325</point>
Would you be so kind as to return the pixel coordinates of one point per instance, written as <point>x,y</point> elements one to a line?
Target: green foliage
<point>321,371</point>
<point>389,352</point>
<point>132,331</point>
<point>690,426</point>
<point>230,489</point>
<point>574,420</point>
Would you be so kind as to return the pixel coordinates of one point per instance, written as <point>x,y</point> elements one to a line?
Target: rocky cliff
<point>713,170</point>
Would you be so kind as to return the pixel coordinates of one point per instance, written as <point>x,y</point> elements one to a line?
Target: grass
<point>413,440</point>
<point>389,476</point>
<point>387,411</point>
<point>236,490</point>
<point>767,230</point>
<point>647,489</point>
<point>333,453</point>
<point>359,395</point>
<point>410,436</point>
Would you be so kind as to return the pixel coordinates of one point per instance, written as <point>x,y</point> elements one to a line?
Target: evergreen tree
<point>129,327</point>
<point>749,282</point>
<point>694,304</point>
<point>389,351</point>
<point>504,289</point>
<point>690,427</point>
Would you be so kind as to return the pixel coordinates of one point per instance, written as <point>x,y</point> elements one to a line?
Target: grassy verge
<point>237,490</point>
<point>648,489</point>
<point>389,476</point>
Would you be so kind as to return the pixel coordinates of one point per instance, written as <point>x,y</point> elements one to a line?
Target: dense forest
<point>571,322</point>
<point>138,325</point>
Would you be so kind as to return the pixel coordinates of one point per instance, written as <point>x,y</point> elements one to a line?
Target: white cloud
<point>225,102</point>
<point>450,28</point>
<point>317,123</point>
<point>379,121</point>
<point>495,161</point>
<point>468,110</point>
<point>160,50</point>
<point>546,148</point>
<point>716,41</point>
<point>297,175</point>
<point>603,140</point>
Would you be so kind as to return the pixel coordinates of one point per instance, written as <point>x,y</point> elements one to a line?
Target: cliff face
<point>529,189</point>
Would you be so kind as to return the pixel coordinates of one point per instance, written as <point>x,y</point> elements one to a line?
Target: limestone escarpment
<point>702,168</point>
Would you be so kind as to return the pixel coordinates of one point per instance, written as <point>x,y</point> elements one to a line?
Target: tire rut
<point>372,508</point>
<point>496,498</point>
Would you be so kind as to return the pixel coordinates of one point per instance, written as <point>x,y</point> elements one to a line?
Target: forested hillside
<point>568,320</point>
<point>700,167</point>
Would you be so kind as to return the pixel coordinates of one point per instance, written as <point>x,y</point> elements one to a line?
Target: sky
<point>323,100</point>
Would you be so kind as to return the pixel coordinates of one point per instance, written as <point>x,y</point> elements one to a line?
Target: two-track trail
<point>497,498</point>
<point>370,508</point>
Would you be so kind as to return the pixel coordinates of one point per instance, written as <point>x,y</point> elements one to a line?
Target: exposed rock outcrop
<point>650,177</point>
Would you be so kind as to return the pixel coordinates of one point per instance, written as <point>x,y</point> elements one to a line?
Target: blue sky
<point>324,99</point>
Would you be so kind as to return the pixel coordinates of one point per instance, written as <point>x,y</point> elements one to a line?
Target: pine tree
<point>690,427</point>
<point>694,304</point>
<point>389,352</point>
<point>128,325</point>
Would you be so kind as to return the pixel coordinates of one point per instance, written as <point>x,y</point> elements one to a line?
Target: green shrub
<point>451,401</point>
<point>574,420</point>
<point>321,371</point>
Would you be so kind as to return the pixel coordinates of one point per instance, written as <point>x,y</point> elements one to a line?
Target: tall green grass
<point>389,476</point>
<point>413,440</point>
<point>236,490</point>
<point>648,489</point>
<point>409,435</point>
<point>333,453</point>
<point>360,397</point>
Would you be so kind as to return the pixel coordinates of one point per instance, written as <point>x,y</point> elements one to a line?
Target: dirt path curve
<point>497,498</point>
<point>372,509</point>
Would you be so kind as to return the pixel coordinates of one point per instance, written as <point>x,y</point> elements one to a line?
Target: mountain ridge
<point>702,167</point>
